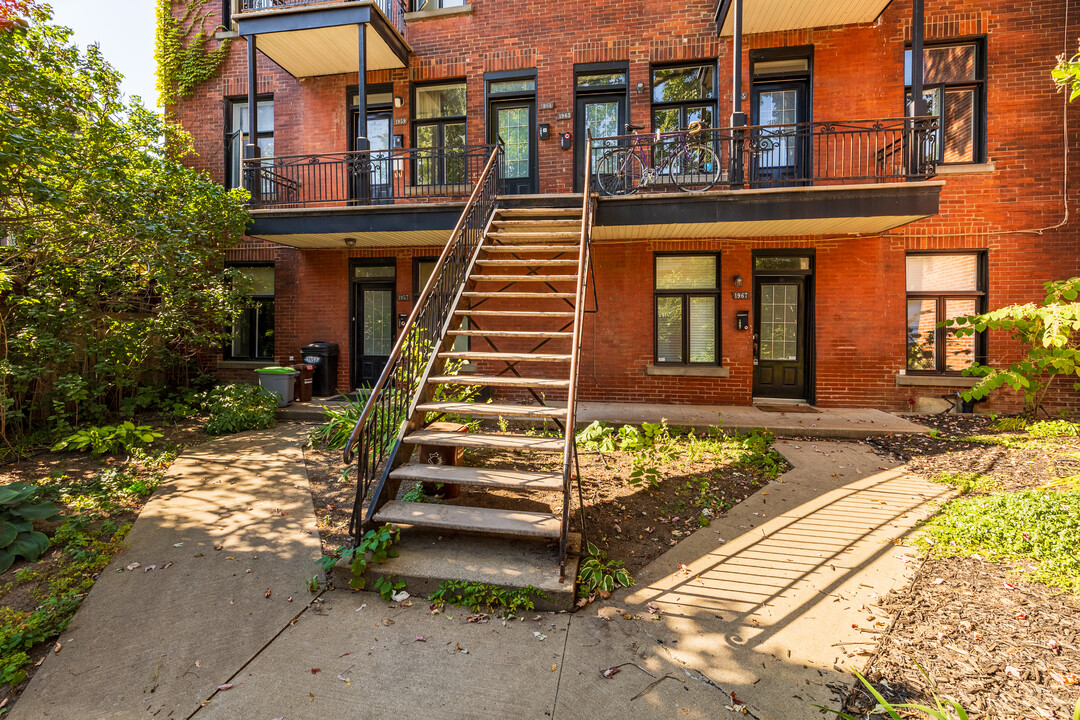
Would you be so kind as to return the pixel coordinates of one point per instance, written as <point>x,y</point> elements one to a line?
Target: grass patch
<point>1038,525</point>
<point>965,482</point>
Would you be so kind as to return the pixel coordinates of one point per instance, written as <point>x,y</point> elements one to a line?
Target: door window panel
<point>513,124</point>
<point>378,322</point>
<point>779,322</point>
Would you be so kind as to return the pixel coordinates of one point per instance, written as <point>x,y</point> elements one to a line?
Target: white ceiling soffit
<point>326,51</point>
<point>854,226</point>
<point>760,16</point>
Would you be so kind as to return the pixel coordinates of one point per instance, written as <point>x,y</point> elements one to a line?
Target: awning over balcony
<point>761,16</point>
<point>323,38</point>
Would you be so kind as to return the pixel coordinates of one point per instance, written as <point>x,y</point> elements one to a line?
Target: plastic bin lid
<point>318,345</point>
<point>276,371</point>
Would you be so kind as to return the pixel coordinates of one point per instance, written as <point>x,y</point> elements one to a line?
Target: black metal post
<point>363,145</point>
<point>251,148</point>
<point>738,117</point>
<point>916,145</point>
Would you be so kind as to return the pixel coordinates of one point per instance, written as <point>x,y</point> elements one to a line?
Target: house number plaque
<point>740,295</point>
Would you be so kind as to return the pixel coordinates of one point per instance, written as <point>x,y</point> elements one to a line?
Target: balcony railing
<point>371,177</point>
<point>772,156</point>
<point>394,10</point>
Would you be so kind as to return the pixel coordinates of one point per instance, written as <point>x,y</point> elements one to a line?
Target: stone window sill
<point>687,371</point>
<point>438,13</point>
<point>968,169</point>
<point>936,381</point>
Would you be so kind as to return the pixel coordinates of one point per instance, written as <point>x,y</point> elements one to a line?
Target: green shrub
<point>376,546</point>
<point>481,596</point>
<point>235,408</point>
<point>109,438</point>
<point>597,575</point>
<point>17,515</point>
<point>338,423</point>
<point>1052,429</point>
<point>965,482</point>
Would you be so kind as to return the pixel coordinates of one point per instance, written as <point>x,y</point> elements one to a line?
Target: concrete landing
<point>232,520</point>
<point>426,559</point>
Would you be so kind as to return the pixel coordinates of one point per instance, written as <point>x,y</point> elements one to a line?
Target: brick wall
<point>1015,212</point>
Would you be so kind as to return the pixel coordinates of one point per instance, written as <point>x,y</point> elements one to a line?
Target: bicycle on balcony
<point>690,164</point>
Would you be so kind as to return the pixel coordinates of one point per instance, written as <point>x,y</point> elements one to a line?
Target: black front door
<point>378,165</point>
<point>515,122</point>
<point>781,357</point>
<point>781,149</point>
<point>373,337</point>
<point>603,116</point>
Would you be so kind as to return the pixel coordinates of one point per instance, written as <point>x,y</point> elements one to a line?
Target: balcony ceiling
<point>760,16</point>
<point>323,40</point>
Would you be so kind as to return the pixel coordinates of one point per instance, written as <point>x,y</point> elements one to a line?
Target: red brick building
<point>816,269</point>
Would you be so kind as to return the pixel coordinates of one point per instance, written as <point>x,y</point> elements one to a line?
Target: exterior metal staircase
<point>519,276</point>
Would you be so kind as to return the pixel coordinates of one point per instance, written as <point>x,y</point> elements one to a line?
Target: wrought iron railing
<point>570,446</point>
<point>365,177</point>
<point>812,153</point>
<point>377,435</point>
<point>394,10</point>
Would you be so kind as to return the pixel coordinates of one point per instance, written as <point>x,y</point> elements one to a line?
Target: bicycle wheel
<point>695,168</point>
<point>618,172</point>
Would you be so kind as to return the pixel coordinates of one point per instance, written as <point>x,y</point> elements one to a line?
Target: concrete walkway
<point>850,423</point>
<point>761,604</point>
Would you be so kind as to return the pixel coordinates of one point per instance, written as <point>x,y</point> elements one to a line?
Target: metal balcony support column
<point>918,102</point>
<point>251,149</point>
<point>738,117</point>
<point>363,167</point>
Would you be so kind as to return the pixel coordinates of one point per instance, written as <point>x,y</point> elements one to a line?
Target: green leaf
<point>6,560</point>
<point>41,511</point>
<point>15,492</point>
<point>30,546</point>
<point>8,533</point>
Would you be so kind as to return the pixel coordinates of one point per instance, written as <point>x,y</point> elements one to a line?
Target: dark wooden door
<point>781,148</point>
<point>373,304</point>
<point>780,337</point>
<point>604,115</point>
<point>515,122</point>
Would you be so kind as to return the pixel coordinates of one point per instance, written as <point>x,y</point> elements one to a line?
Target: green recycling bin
<point>278,380</point>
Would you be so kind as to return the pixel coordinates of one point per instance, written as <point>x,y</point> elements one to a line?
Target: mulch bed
<point>1000,645</point>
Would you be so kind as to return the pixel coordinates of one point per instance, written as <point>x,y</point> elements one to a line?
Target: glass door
<point>373,321</point>
<point>781,149</point>
<point>603,116</point>
<point>378,165</point>
<point>515,123</point>
<point>781,359</point>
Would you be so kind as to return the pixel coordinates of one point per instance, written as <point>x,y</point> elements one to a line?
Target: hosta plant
<point>17,515</point>
<point>597,575</point>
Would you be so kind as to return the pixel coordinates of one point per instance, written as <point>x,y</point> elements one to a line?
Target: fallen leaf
<point>938,581</point>
<point>218,547</point>
<point>345,680</point>
<point>1021,616</point>
<point>360,608</point>
<point>148,568</point>
<point>226,686</point>
<point>166,566</point>
<point>179,544</point>
<point>539,636</point>
<point>267,593</point>
<point>554,666</point>
<point>734,699</point>
<point>1065,679</point>
<point>1008,586</point>
<point>316,670</point>
<point>653,608</point>
<point>56,648</point>
<point>1014,671</point>
<point>400,596</point>
<point>610,672</point>
<point>458,648</point>
<point>421,638</point>
<point>133,566</point>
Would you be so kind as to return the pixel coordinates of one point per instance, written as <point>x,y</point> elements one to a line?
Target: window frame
<point>253,339</point>
<point>420,5</point>
<point>230,160</point>
<point>683,105</point>
<point>686,294</point>
<point>439,123</point>
<point>979,85</point>
<point>980,295</point>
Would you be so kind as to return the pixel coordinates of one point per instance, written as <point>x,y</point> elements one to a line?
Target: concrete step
<point>480,477</point>
<point>537,412</point>
<point>426,559</point>
<point>499,381</point>
<point>483,440</point>
<point>506,356</point>
<point>472,520</point>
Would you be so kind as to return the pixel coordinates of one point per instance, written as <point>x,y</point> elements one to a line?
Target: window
<point>439,124</point>
<point>681,95</point>
<point>687,303</point>
<point>236,135</point>
<point>954,87</point>
<point>419,5</point>
<point>942,287</point>
<point>422,269</point>
<point>253,328</point>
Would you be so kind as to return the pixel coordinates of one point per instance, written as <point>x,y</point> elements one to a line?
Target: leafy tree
<point>1067,75</point>
<point>111,279</point>
<point>1050,335</point>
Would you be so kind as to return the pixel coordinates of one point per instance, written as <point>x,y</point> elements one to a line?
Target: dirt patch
<point>632,523</point>
<point>1002,646</point>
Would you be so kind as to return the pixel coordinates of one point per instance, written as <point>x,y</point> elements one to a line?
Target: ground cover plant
<point>993,615</point>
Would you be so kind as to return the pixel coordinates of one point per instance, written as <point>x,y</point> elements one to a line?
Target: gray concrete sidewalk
<point>761,604</point>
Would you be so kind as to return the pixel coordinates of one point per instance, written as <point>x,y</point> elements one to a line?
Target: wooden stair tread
<point>541,526</point>
<point>526,263</point>
<point>498,381</point>
<point>533,212</point>
<point>542,235</point>
<point>506,356</point>
<point>531,248</point>
<point>443,438</point>
<point>517,313</point>
<point>513,333</point>
<point>494,410</point>
<point>485,477</point>
<point>478,277</point>
<point>515,294</point>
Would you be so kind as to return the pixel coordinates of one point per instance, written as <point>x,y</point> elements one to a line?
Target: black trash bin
<point>324,356</point>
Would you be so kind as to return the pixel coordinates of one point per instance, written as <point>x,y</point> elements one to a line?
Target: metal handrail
<point>806,153</point>
<point>570,444</point>
<point>378,433</point>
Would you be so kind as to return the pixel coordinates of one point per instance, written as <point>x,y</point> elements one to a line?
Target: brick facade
<point>1017,208</point>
